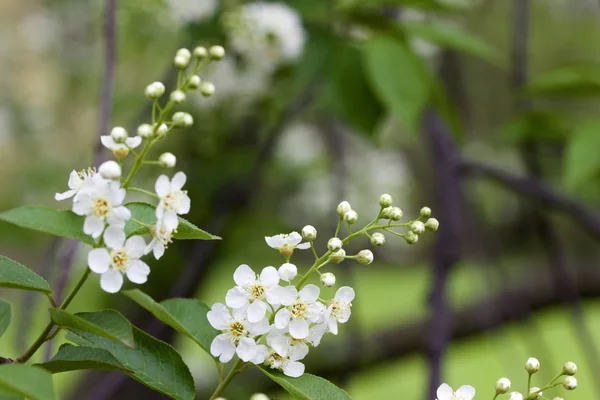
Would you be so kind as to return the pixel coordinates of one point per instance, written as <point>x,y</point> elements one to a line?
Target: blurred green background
<point>515,85</point>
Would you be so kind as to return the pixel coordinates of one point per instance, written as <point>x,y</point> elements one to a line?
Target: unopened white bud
<point>287,272</point>
<point>502,386</point>
<point>216,53</point>
<point>417,227</point>
<point>377,239</point>
<point>328,279</point>
<point>182,58</point>
<point>167,160</point>
<point>259,396</point>
<point>558,398</point>
<point>533,390</point>
<point>207,89</point>
<point>351,216</point>
<point>396,214</point>
<point>570,382</point>
<point>411,237</point>
<point>569,368</point>
<point>532,365</point>
<point>110,170</point>
<point>162,130</point>
<point>337,256</point>
<point>334,244</point>
<point>194,82</point>
<point>200,52</point>
<point>515,396</point>
<point>385,200</point>
<point>182,119</point>
<point>386,213</point>
<point>343,208</point>
<point>154,90</point>
<point>119,134</point>
<point>364,257</point>
<point>425,212</point>
<point>145,131</point>
<point>432,224</point>
<point>177,96</point>
<point>309,233</point>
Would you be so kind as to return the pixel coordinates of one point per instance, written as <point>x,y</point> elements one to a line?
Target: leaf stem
<point>144,191</point>
<point>223,385</point>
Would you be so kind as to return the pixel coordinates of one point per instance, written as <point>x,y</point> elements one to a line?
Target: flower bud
<point>502,386</point>
<point>351,216</point>
<point>309,233</point>
<point>177,96</point>
<point>364,257</point>
<point>569,368</point>
<point>533,390</point>
<point>182,58</point>
<point>396,214</point>
<point>287,272</point>
<point>216,53</point>
<point>337,256</point>
<point>515,396</point>
<point>182,119</point>
<point>386,213</point>
<point>194,82</point>
<point>162,130</point>
<point>328,279</point>
<point>259,396</point>
<point>411,237</point>
<point>207,89</point>
<point>385,200</point>
<point>200,52</point>
<point>334,244</point>
<point>154,90</point>
<point>558,398</point>
<point>377,239</point>
<point>432,224</point>
<point>110,170</point>
<point>570,382</point>
<point>121,153</point>
<point>532,365</point>
<point>343,208</point>
<point>119,134</point>
<point>145,131</point>
<point>425,212</point>
<point>167,160</point>
<point>417,227</point>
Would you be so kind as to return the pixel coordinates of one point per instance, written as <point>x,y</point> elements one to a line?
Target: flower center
<point>119,259</point>
<point>171,200</point>
<point>237,330</point>
<point>299,310</point>
<point>274,360</point>
<point>338,308</point>
<point>257,291</point>
<point>101,207</point>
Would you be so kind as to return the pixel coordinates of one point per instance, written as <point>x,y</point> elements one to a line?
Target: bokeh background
<point>484,110</point>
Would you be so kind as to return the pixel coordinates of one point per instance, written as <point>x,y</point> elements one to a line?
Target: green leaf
<point>5,316</point>
<point>146,213</point>
<point>307,387</point>
<point>16,276</point>
<point>31,382</point>
<point>154,363</point>
<point>434,5</point>
<point>108,324</point>
<point>186,316</point>
<point>398,78</point>
<point>581,159</point>
<point>570,80</point>
<point>74,358</point>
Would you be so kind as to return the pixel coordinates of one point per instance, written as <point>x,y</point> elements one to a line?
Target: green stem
<point>314,251</point>
<point>78,286</point>
<point>339,224</point>
<point>497,394</point>
<point>223,385</point>
<point>529,383</point>
<point>534,394</point>
<point>137,164</point>
<point>144,191</point>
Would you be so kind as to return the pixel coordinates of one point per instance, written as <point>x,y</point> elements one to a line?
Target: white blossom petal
<point>236,298</point>
<point>109,142</point>
<point>162,186</point>
<point>293,369</point>
<point>137,271</point>
<point>111,281</point>
<point>293,239</point>
<point>445,392</point>
<point>158,250</point>
<point>135,246</point>
<point>133,142</point>
<point>178,181</point>
<point>184,204</point>
<point>261,354</point>
<point>99,260</point>
<point>299,329</point>
<point>244,276</point>
<point>258,328</point>
<point>269,276</point>
<point>466,392</point>
<point>222,347</point>
<point>298,351</point>
<point>74,180</point>
<point>65,195</point>
<point>280,344</point>
<point>332,325</point>
<point>285,295</point>
<point>310,293</point>
<point>345,293</point>
<point>303,246</point>
<point>218,316</point>
<point>114,237</point>
<point>246,349</point>
<point>119,216</point>
<point>282,318</point>
<point>171,220</point>
<point>257,311</point>
<point>93,226</point>
<point>275,242</point>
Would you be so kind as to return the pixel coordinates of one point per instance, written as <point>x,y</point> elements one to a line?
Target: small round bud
<point>535,389</point>
<point>121,153</point>
<point>328,279</point>
<point>334,244</point>
<point>364,257</point>
<point>119,134</point>
<point>343,208</point>
<point>569,368</point>
<point>558,398</point>
<point>162,130</point>
<point>177,96</point>
<point>502,386</point>
<point>411,237</point>
<point>432,224</point>
<point>309,233</point>
<point>194,82</point>
<point>425,212</point>
<point>386,213</point>
<point>532,365</point>
<point>385,200</point>
<point>182,119</point>
<point>145,131</point>
<point>207,89</point>
<point>216,53</point>
<point>182,58</point>
<point>259,396</point>
<point>167,160</point>
<point>287,272</point>
<point>377,239</point>
<point>110,170</point>
<point>337,256</point>
<point>570,383</point>
<point>351,216</point>
<point>154,90</point>
<point>417,227</point>
<point>396,214</point>
<point>515,396</point>
<point>200,52</point>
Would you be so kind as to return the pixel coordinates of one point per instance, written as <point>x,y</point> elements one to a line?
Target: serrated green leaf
<point>398,78</point>
<point>569,80</point>
<point>154,363</point>
<point>16,276</point>
<point>108,324</point>
<point>146,213</point>
<point>31,382</point>
<point>186,316</point>
<point>581,159</point>
<point>74,358</point>
<point>307,386</point>
<point>5,316</point>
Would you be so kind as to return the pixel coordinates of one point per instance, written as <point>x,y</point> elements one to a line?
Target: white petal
<point>65,195</point>
<point>269,276</point>
<point>345,293</point>
<point>222,346</point>
<point>257,311</point>
<point>244,276</point>
<point>93,226</point>
<point>303,246</point>
<point>236,298</point>
<point>246,349</point>
<point>282,318</point>
<point>299,329</point>
<point>118,216</point>
<point>160,211</point>
<point>285,295</point>
<point>111,281</point>
<point>137,271</point>
<point>332,325</point>
<point>162,186</point>
<point>178,181</point>
<point>114,237</point>
<point>259,328</point>
<point>345,315</point>
<point>316,333</point>
<point>81,205</point>
<point>293,239</point>
<point>99,260</point>
<point>133,142</point>
<point>445,392</point>
<point>293,369</point>
<point>74,180</point>
<point>218,316</point>
<point>135,246</point>
<point>298,351</point>
<point>275,242</point>
<point>261,354</point>
<point>184,204</point>
<point>310,293</point>
<point>171,220</point>
<point>281,345</point>
<point>109,142</point>
<point>158,250</point>
<point>466,392</point>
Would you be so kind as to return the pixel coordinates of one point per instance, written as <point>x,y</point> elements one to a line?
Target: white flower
<point>79,181</point>
<point>186,11</point>
<point>309,233</point>
<point>536,390</point>
<point>340,309</point>
<point>253,290</point>
<point>293,369</point>
<point>122,259</point>
<point>287,346</point>
<point>287,272</point>
<point>532,365</point>
<point>101,204</point>
<point>286,243</point>
<point>173,200</point>
<point>161,237</point>
<point>167,160</point>
<point>110,170</point>
<point>112,145</point>
<point>301,308</point>
<point>334,244</point>
<point>502,385</point>
<point>237,336</point>
<point>465,392</point>
<point>515,396</point>
<point>328,279</point>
